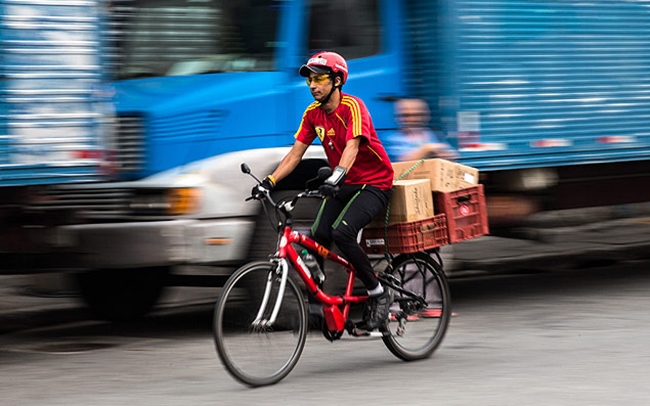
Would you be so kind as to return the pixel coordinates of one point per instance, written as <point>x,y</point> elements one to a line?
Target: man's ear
<point>337,81</point>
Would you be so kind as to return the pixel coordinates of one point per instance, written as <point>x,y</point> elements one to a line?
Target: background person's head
<point>412,113</point>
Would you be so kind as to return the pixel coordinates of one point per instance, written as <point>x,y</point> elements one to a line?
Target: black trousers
<point>339,220</point>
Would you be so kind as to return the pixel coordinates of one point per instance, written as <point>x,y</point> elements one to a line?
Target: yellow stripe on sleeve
<point>356,114</point>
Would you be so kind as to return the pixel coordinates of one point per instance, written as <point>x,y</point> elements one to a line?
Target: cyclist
<point>362,175</point>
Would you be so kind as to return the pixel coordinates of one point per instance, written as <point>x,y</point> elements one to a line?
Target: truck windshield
<point>152,38</point>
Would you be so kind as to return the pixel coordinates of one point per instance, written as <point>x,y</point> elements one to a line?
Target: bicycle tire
<point>259,356</point>
<point>413,335</point>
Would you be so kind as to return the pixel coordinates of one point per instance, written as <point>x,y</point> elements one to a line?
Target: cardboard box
<point>445,176</point>
<point>411,200</point>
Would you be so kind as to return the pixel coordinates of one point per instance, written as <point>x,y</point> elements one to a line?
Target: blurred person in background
<point>415,139</point>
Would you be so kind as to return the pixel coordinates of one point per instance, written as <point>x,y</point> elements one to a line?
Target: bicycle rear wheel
<point>416,331</point>
<point>253,350</point>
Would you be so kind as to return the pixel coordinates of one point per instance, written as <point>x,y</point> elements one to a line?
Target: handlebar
<point>282,205</point>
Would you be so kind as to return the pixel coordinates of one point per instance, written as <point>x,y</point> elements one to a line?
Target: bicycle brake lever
<point>289,206</point>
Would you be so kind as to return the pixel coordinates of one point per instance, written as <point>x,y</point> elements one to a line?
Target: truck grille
<point>129,146</point>
<point>87,203</point>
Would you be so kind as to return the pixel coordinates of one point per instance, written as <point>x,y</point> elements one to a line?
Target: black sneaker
<point>378,309</point>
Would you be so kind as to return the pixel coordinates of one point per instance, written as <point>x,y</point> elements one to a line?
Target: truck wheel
<point>121,294</point>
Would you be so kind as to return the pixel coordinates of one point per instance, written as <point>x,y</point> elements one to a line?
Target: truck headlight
<point>166,202</point>
<point>183,201</point>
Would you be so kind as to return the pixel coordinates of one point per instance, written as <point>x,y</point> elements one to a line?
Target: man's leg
<point>321,232</point>
<point>361,209</point>
<point>362,206</point>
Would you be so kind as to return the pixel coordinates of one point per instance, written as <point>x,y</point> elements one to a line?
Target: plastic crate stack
<point>459,215</point>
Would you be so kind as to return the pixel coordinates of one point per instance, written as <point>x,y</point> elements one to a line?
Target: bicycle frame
<point>286,250</point>
<point>334,317</point>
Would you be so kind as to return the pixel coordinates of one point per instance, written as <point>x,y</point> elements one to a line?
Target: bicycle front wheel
<point>415,331</point>
<point>254,349</point>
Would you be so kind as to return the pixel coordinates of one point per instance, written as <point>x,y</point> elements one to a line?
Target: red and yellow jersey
<point>350,119</point>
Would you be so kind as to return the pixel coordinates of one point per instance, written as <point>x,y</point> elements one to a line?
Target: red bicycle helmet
<point>326,62</point>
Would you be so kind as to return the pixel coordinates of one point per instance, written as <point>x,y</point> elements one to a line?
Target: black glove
<point>332,184</point>
<point>263,188</point>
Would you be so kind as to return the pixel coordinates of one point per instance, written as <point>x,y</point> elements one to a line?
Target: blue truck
<point>54,116</point>
<point>549,99</point>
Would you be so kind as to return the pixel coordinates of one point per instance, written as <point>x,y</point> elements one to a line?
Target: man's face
<point>320,85</point>
<point>412,113</point>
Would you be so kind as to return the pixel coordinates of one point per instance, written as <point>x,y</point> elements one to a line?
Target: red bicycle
<point>261,317</point>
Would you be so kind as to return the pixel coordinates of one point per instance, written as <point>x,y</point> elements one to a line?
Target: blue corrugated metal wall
<point>537,82</point>
<point>51,116</point>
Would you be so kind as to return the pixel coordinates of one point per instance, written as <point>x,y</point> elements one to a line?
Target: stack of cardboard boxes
<point>424,189</point>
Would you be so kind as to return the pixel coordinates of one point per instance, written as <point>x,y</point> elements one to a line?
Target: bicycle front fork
<point>283,267</point>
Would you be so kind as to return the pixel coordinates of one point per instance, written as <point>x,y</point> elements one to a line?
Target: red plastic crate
<point>406,238</point>
<point>466,212</point>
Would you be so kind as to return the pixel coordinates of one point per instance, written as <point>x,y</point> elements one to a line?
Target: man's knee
<point>343,236</point>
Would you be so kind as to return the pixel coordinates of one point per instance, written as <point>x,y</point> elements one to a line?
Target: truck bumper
<point>158,243</point>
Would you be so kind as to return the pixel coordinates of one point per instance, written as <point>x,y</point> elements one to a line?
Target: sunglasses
<point>320,79</point>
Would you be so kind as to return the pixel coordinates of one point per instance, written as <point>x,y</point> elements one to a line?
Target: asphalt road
<point>575,337</point>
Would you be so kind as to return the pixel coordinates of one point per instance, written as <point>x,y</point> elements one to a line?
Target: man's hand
<point>332,184</point>
<point>435,150</point>
<point>263,189</point>
<point>328,190</point>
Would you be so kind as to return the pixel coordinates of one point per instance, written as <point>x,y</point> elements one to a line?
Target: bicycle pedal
<point>359,330</point>
<point>366,333</point>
